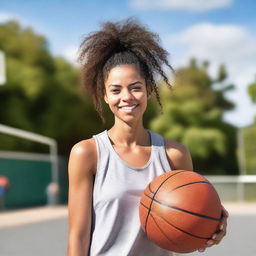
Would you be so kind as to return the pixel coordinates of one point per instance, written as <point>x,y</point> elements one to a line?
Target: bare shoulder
<point>178,155</point>
<point>81,168</point>
<point>84,147</point>
<point>84,153</point>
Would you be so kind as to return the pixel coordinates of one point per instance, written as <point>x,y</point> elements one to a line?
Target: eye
<point>136,88</point>
<point>115,91</point>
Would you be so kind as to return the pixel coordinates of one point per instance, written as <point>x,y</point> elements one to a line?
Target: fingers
<point>223,222</point>
<point>218,236</point>
<point>224,212</point>
<point>201,249</point>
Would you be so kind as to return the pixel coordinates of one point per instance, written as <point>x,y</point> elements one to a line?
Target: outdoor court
<point>43,232</point>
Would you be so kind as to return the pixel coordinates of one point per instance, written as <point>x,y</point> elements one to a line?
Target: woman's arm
<point>221,232</point>
<point>178,156</point>
<point>81,167</point>
<point>180,159</point>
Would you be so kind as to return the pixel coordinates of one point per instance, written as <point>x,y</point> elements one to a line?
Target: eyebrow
<point>117,85</point>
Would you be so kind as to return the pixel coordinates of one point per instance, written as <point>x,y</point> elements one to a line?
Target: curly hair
<point>125,42</point>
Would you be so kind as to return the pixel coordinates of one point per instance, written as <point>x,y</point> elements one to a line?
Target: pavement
<point>22,217</point>
<point>44,231</point>
<point>46,213</point>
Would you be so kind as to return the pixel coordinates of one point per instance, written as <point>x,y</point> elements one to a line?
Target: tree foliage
<point>249,136</point>
<point>252,91</point>
<point>43,94</point>
<point>193,115</point>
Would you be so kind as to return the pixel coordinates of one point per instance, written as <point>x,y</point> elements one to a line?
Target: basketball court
<point>44,231</point>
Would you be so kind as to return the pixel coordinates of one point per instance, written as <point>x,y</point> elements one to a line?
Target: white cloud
<point>227,44</point>
<point>71,54</point>
<point>188,5</point>
<point>6,16</point>
<point>23,22</point>
<point>219,42</point>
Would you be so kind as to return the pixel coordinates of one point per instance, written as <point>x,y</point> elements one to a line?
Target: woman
<point>108,173</point>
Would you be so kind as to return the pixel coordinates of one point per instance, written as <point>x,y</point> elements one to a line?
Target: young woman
<point>108,173</point>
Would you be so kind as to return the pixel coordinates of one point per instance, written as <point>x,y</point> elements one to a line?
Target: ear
<point>105,98</point>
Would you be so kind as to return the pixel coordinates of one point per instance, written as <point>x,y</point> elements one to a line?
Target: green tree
<point>249,136</point>
<point>193,115</point>
<point>28,67</point>
<point>43,94</point>
<point>252,91</point>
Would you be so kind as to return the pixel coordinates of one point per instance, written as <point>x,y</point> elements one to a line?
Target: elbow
<point>78,245</point>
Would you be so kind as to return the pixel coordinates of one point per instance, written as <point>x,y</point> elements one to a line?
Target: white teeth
<point>128,109</point>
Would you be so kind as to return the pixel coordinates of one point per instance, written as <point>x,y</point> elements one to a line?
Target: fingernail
<point>221,227</point>
<point>214,236</point>
<point>201,250</point>
<point>210,242</point>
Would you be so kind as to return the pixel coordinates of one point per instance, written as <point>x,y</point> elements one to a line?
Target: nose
<point>127,95</point>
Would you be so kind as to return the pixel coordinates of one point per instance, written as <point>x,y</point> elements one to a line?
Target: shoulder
<point>84,154</point>
<point>178,155</point>
<point>84,147</point>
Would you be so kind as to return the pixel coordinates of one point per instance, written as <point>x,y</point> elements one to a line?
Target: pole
<point>241,152</point>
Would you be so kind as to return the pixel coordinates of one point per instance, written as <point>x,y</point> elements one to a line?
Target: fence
<point>235,188</point>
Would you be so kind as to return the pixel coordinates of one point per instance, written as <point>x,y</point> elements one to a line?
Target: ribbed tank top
<point>116,229</point>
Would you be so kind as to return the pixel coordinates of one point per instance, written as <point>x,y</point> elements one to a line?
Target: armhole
<point>98,154</point>
<point>159,144</point>
<point>164,157</point>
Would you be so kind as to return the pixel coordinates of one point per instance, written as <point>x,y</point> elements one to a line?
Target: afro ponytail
<point>125,42</point>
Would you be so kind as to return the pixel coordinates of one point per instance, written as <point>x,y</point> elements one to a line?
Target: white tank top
<point>116,229</point>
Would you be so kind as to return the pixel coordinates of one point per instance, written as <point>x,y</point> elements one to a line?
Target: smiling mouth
<point>128,108</point>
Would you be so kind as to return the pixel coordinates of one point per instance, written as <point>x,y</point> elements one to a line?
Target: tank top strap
<point>103,151</point>
<point>159,150</point>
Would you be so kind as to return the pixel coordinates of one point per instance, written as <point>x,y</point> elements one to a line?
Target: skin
<point>124,87</point>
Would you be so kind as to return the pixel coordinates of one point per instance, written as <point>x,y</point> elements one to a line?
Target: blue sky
<point>221,31</point>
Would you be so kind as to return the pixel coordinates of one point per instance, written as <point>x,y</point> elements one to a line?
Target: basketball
<point>180,211</point>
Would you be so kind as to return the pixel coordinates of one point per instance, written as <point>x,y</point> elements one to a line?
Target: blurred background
<point>44,111</point>
<point>212,110</point>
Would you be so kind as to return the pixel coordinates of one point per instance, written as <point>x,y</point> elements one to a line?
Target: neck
<point>129,134</point>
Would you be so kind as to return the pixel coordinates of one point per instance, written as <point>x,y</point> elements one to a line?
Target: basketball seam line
<point>186,232</point>
<point>200,237</point>
<point>162,230</point>
<point>155,195</point>
<point>191,183</point>
<point>179,209</point>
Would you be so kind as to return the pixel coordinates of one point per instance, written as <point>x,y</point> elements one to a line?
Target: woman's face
<point>126,93</point>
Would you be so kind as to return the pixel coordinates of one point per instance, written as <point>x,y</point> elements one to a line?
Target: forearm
<point>78,247</point>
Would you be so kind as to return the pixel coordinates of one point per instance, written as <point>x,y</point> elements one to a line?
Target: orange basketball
<point>180,211</point>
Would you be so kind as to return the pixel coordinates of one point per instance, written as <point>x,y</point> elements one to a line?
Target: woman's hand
<point>218,236</point>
